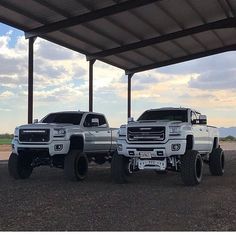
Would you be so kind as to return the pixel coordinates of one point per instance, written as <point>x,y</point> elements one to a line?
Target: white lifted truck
<point>177,139</point>
<point>66,140</point>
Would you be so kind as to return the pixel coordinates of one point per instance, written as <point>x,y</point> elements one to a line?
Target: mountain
<point>224,132</point>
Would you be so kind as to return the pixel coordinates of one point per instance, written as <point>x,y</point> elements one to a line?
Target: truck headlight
<point>16,132</point>
<point>59,132</point>
<point>174,130</point>
<point>122,131</point>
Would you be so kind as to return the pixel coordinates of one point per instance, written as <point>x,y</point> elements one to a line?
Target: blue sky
<point>5,29</point>
<point>61,83</point>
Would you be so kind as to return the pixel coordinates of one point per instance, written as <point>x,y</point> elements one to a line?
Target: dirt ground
<point>228,145</point>
<point>5,148</point>
<point>149,202</point>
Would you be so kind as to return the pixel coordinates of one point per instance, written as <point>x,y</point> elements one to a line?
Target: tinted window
<point>63,118</point>
<point>172,115</point>
<point>195,116</point>
<point>89,117</point>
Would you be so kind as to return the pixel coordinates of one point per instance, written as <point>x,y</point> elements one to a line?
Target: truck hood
<point>154,123</point>
<point>46,126</point>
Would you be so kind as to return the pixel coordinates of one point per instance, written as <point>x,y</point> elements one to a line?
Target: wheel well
<point>189,144</point>
<point>76,143</point>
<point>215,143</point>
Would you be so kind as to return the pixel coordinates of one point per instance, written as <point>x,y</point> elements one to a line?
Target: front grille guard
<point>34,135</point>
<point>146,134</point>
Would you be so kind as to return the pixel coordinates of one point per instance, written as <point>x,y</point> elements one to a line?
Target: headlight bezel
<point>174,130</point>
<point>59,132</point>
<point>122,131</point>
<point>16,132</point>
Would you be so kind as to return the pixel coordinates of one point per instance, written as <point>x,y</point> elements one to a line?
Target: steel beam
<point>91,63</point>
<point>87,17</point>
<point>129,95</point>
<point>182,59</point>
<point>30,79</point>
<point>226,23</point>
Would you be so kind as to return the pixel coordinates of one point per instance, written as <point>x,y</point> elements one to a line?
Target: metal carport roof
<point>134,35</point>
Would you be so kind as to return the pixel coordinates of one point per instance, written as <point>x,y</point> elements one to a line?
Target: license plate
<point>152,164</point>
<point>145,155</point>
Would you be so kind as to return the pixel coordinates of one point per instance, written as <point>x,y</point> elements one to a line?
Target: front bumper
<point>58,147</point>
<point>159,150</point>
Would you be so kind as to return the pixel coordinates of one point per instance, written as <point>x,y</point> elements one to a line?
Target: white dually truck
<point>177,139</point>
<point>67,140</point>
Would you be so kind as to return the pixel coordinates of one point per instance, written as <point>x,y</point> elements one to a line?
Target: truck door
<point>98,135</point>
<point>201,134</point>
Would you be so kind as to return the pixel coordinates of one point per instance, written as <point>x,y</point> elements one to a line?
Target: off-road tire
<point>191,168</point>
<point>76,165</point>
<point>119,170</point>
<point>216,162</point>
<point>19,166</point>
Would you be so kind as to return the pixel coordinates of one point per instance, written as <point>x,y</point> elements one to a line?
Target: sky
<point>61,84</point>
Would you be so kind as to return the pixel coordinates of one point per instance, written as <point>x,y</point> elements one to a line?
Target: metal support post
<point>129,94</point>
<point>30,79</point>
<point>91,63</point>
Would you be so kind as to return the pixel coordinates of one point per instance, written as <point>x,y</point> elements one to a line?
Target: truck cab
<point>59,139</point>
<point>161,138</point>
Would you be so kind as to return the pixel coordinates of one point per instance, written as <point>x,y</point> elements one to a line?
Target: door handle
<point>200,129</point>
<point>108,131</point>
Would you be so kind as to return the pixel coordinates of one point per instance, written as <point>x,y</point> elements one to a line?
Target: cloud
<point>147,79</point>
<point>8,79</point>
<point>78,71</point>
<point>12,65</point>
<point>51,51</point>
<point>213,63</point>
<point>215,80</point>
<point>5,109</point>
<point>6,94</point>
<point>197,96</point>
<point>49,71</point>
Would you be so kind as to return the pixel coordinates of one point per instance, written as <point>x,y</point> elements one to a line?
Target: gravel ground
<point>150,202</point>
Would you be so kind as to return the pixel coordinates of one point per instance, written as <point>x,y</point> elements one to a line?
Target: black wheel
<point>191,168</point>
<point>217,162</point>
<point>119,168</point>
<point>128,167</point>
<point>76,165</point>
<point>19,166</point>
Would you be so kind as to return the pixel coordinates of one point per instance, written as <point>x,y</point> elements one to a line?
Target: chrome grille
<point>34,135</point>
<point>146,133</point>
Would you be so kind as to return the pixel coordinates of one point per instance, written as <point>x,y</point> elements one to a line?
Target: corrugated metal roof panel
<point>109,30</point>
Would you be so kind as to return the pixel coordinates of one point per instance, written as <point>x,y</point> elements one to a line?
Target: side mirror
<point>95,122</point>
<point>36,121</point>
<point>203,119</point>
<point>130,119</point>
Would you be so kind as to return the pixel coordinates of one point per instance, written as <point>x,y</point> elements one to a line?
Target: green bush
<point>6,136</point>
<point>228,138</point>
<point>5,141</point>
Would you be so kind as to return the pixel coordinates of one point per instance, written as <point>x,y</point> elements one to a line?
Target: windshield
<point>172,115</point>
<point>63,118</point>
